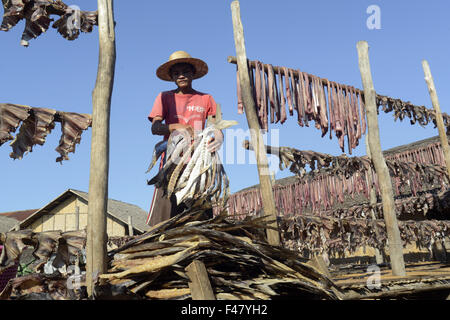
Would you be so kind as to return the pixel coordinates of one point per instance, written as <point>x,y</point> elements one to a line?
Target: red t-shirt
<point>192,109</point>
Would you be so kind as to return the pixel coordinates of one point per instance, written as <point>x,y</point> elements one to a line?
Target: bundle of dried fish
<point>33,131</point>
<point>37,124</point>
<point>65,245</point>
<point>10,117</point>
<point>240,263</point>
<point>312,235</point>
<point>39,287</point>
<point>37,18</point>
<point>72,126</point>
<point>416,114</point>
<point>192,172</point>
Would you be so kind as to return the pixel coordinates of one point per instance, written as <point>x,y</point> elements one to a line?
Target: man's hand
<point>181,127</point>
<point>216,142</point>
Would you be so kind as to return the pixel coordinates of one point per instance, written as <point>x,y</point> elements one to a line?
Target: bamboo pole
<point>437,109</point>
<point>387,195</point>
<point>268,201</point>
<point>98,179</point>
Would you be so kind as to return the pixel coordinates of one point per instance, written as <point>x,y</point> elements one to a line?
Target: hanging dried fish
<point>37,18</point>
<point>72,126</point>
<point>33,131</point>
<point>10,117</point>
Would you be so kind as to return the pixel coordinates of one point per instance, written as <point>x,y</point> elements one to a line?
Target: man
<point>183,109</point>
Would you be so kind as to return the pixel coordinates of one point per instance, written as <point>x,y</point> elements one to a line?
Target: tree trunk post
<point>255,130</point>
<point>437,109</point>
<point>387,195</point>
<point>373,202</point>
<point>99,167</point>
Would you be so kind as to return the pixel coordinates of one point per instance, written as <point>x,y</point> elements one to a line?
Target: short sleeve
<point>212,107</point>
<point>157,110</point>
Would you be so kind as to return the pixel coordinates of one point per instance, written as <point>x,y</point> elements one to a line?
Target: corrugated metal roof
<point>19,215</point>
<point>7,223</point>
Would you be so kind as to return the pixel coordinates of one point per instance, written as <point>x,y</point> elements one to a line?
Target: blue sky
<point>318,37</point>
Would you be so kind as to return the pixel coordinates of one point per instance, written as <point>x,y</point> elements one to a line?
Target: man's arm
<point>162,129</point>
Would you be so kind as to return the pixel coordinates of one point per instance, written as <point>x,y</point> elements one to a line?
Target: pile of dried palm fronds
<point>239,262</point>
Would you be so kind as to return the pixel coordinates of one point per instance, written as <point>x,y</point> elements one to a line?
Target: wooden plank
<point>130,226</point>
<point>77,218</point>
<point>387,195</point>
<point>199,286</point>
<point>268,201</point>
<point>99,165</point>
<point>437,109</point>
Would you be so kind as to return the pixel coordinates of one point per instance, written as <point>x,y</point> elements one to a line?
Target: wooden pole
<point>200,286</point>
<point>77,218</point>
<point>437,109</point>
<point>130,226</point>
<point>98,180</point>
<point>268,201</point>
<point>387,195</point>
<point>373,201</point>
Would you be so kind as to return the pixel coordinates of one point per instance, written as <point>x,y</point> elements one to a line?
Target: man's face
<point>182,74</point>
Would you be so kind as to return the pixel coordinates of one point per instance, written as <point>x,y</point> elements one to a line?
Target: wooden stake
<point>387,195</point>
<point>255,130</point>
<point>98,180</point>
<point>77,218</point>
<point>373,201</point>
<point>130,226</point>
<point>437,109</point>
<point>200,286</point>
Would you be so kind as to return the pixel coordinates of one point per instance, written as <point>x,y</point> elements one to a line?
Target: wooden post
<point>99,167</point>
<point>437,109</point>
<point>200,286</point>
<point>130,226</point>
<point>77,218</point>
<point>387,195</point>
<point>373,201</point>
<point>268,201</point>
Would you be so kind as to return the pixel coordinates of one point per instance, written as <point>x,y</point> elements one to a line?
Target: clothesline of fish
<point>37,18</point>
<point>334,107</point>
<point>336,236</point>
<point>37,123</point>
<point>333,180</point>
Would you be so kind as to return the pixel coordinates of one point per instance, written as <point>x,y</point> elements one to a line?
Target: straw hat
<point>201,68</point>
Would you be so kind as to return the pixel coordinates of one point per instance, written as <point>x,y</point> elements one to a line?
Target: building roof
<point>19,215</point>
<point>117,209</point>
<point>7,223</point>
